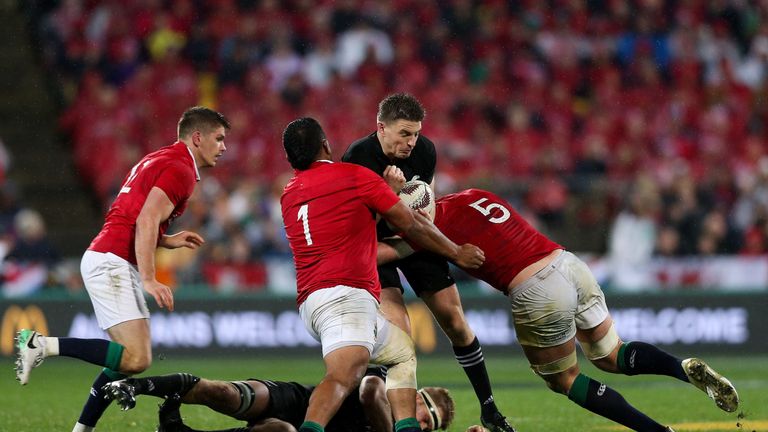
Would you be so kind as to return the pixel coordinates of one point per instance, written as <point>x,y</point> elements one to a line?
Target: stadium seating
<point>593,117</point>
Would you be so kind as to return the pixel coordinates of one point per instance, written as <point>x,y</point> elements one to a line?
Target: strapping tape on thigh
<point>603,347</point>
<point>556,366</point>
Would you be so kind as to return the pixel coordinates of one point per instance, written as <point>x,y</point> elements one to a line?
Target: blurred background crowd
<point>627,130</point>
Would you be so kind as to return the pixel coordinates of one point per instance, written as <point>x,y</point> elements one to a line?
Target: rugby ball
<point>417,195</point>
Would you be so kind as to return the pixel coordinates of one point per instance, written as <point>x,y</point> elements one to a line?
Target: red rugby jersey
<point>172,169</point>
<point>329,212</point>
<point>487,221</point>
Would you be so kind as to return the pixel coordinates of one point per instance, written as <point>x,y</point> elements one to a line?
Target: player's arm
<point>421,231</point>
<point>187,239</point>
<point>392,249</point>
<point>373,398</point>
<point>157,208</point>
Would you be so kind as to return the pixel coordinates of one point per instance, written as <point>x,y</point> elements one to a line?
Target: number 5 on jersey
<point>486,211</point>
<point>304,216</point>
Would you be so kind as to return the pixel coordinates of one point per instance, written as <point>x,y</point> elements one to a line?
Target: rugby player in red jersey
<point>119,265</point>
<point>556,300</point>
<point>329,211</point>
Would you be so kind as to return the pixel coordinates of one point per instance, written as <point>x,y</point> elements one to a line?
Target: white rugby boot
<point>716,386</point>
<point>31,352</point>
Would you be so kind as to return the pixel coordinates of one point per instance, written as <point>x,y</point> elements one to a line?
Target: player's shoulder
<point>425,151</point>
<point>427,143</point>
<point>349,168</point>
<point>365,146</point>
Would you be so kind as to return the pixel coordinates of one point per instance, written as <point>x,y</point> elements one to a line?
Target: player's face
<point>211,146</point>
<point>398,138</point>
<point>423,416</point>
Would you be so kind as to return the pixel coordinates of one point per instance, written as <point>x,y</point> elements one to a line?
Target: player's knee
<point>348,378</point>
<point>561,382</point>
<point>602,353</point>
<point>133,364</point>
<point>558,374</point>
<point>607,364</point>
<point>457,329</point>
<point>372,389</point>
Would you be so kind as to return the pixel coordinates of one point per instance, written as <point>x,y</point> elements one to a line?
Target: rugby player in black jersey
<point>398,141</point>
<point>269,406</point>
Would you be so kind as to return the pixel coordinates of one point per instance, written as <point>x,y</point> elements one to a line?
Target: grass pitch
<point>57,389</point>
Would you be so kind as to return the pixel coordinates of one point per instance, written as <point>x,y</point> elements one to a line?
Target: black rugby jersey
<point>368,153</point>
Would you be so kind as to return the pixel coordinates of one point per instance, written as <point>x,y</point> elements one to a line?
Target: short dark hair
<point>302,139</point>
<point>199,117</point>
<point>400,106</point>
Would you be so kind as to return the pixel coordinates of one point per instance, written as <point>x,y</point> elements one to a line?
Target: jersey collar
<point>194,162</point>
<point>319,162</point>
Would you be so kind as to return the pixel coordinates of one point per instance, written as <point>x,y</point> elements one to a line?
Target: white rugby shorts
<point>549,306</point>
<point>115,288</point>
<point>341,316</point>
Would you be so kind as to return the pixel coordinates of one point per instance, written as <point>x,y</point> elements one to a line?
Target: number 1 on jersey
<point>304,216</point>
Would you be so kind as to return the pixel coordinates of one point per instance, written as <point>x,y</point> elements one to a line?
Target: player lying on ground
<point>555,300</point>
<point>279,406</point>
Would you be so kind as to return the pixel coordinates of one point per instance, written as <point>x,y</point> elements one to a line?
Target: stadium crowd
<point>619,127</point>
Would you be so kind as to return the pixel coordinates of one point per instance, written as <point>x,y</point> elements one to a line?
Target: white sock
<point>79,427</point>
<point>50,346</point>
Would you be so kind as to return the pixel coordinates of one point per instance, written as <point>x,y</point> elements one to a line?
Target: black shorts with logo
<point>425,272</point>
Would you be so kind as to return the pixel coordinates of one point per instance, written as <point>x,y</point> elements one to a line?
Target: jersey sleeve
<point>374,191</point>
<point>177,181</point>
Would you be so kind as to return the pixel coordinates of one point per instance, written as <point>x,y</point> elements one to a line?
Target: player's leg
<point>164,386</point>
<point>393,307</point>
<point>391,299</point>
<point>343,319</point>
<point>558,367</point>
<point>445,305</point>
<point>373,398</point>
<point>136,357</point>
<point>432,281</point>
<point>604,348</point>
<point>115,290</point>
<point>545,308</point>
<point>395,349</point>
<point>171,421</point>
<point>103,275</point>
<point>344,368</point>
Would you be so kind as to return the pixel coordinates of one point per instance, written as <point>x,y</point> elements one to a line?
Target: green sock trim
<point>113,375</point>
<point>620,358</point>
<point>405,423</point>
<point>579,389</point>
<point>311,426</point>
<point>114,355</point>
